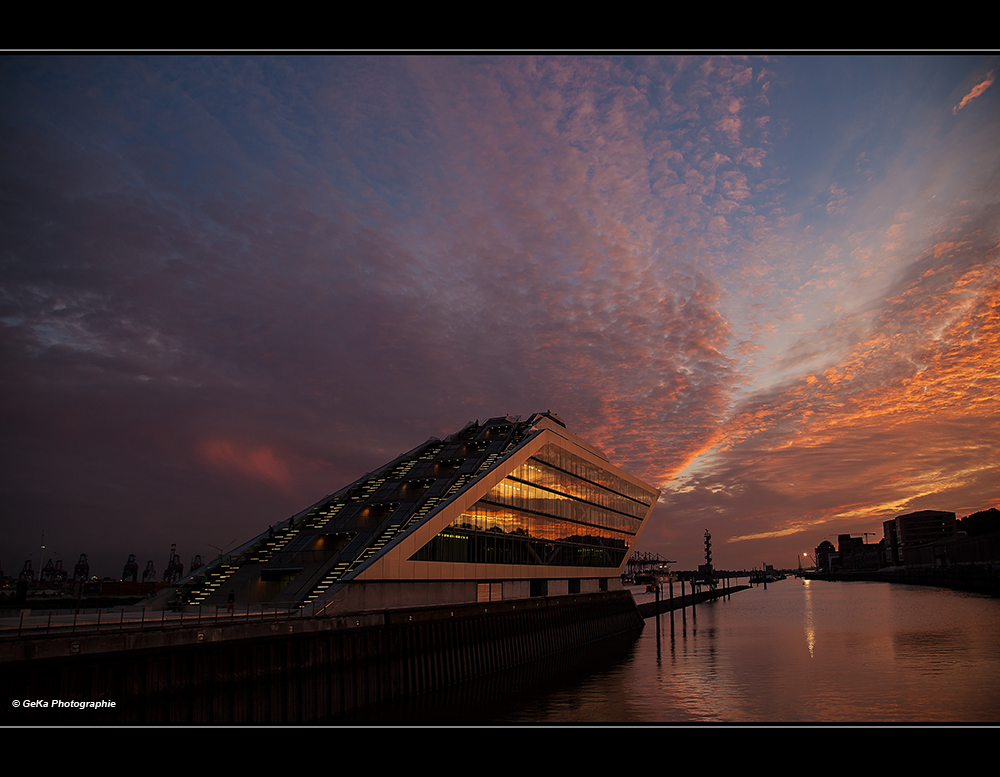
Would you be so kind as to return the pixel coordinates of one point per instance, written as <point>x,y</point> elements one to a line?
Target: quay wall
<point>973,577</point>
<point>307,670</point>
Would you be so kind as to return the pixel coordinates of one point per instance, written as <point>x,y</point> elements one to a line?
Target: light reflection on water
<point>800,651</point>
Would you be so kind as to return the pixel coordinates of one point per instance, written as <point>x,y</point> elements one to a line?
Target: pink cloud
<point>258,462</point>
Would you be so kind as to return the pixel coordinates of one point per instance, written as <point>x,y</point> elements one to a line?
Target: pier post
<point>658,584</point>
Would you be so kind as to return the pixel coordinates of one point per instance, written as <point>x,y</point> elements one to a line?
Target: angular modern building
<point>505,509</point>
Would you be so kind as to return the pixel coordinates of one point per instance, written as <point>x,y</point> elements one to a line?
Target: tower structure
<point>706,570</point>
<point>502,509</point>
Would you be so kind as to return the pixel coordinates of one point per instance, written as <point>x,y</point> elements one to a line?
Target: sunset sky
<point>231,285</point>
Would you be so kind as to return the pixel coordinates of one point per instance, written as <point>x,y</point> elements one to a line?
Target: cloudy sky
<point>230,285</point>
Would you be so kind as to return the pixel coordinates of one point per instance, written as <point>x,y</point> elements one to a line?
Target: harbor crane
<point>646,564</point>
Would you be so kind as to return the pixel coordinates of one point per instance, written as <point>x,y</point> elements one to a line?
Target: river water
<point>796,652</point>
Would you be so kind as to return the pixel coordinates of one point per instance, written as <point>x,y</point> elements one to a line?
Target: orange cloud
<point>977,90</point>
<point>905,420</point>
<point>944,361</point>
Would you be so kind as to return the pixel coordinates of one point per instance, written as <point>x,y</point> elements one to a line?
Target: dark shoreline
<point>974,577</point>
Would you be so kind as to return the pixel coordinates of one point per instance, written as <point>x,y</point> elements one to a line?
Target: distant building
<point>891,543</point>
<point>824,551</point>
<point>856,554</point>
<point>920,528</point>
<point>977,540</point>
<point>504,509</point>
<point>846,544</point>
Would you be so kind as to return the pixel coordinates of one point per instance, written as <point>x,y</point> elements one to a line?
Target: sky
<point>233,284</point>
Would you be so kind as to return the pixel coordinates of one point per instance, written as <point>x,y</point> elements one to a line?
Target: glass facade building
<point>499,506</point>
<point>555,509</point>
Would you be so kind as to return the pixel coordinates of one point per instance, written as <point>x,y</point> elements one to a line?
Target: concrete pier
<point>668,603</point>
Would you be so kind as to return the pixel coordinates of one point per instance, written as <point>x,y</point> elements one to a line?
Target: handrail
<point>70,623</point>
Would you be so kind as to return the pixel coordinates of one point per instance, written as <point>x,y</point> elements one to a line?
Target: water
<point>798,652</point>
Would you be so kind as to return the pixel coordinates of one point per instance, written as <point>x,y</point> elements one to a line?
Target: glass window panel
<point>555,508</point>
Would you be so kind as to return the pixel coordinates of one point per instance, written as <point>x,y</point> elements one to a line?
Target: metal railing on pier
<point>28,624</point>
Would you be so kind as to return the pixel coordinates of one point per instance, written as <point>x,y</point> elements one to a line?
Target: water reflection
<point>871,652</point>
<point>808,621</point>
